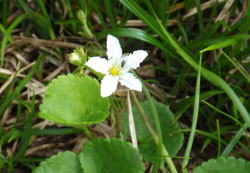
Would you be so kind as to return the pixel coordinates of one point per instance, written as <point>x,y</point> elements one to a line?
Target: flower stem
<point>87,132</point>
<point>131,123</point>
<point>115,111</point>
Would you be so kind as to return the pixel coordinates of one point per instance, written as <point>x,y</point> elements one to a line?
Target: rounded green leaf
<point>74,101</point>
<point>224,165</point>
<point>63,162</point>
<point>110,156</point>
<point>172,139</point>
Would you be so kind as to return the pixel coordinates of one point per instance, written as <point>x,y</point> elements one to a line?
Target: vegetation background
<point>37,35</point>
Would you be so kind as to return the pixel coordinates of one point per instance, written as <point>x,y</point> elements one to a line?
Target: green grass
<point>208,111</point>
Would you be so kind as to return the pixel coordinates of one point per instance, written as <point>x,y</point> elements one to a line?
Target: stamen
<point>115,71</point>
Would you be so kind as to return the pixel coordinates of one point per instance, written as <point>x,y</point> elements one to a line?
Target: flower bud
<point>82,16</point>
<point>78,57</point>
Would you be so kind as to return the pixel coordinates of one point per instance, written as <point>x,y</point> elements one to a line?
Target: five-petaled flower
<point>116,67</point>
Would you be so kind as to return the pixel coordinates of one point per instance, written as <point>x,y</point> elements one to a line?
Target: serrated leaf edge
<point>116,140</point>
<point>217,161</point>
<point>60,154</point>
<point>61,77</point>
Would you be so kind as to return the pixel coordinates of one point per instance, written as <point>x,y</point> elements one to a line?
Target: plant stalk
<point>131,123</point>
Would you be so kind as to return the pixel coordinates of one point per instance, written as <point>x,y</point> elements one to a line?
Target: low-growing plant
<point>179,104</point>
<point>78,100</point>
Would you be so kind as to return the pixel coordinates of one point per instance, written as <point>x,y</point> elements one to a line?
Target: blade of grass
<point>26,134</point>
<point>221,112</point>
<point>244,147</point>
<point>206,134</point>
<point>7,35</point>
<point>9,136</point>
<point>70,13</point>
<point>64,131</point>
<point>42,25</point>
<point>243,29</point>
<point>142,14</point>
<point>159,29</point>
<point>2,29</point>
<point>200,18</point>
<point>47,17</point>
<point>211,25</point>
<point>235,140</point>
<point>187,103</point>
<point>244,73</point>
<point>19,87</point>
<point>150,7</point>
<point>195,118</point>
<point>219,138</point>
<point>43,9</point>
<point>184,33</point>
<point>5,11</point>
<point>209,140</point>
<point>205,144</point>
<point>109,10</point>
<point>83,4</point>
<point>164,7</point>
<point>222,44</point>
<point>213,41</point>
<point>99,13</point>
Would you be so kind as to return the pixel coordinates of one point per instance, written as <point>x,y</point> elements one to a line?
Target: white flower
<point>116,67</point>
<point>74,57</point>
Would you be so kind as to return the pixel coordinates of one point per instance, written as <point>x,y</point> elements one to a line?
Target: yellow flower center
<point>114,71</point>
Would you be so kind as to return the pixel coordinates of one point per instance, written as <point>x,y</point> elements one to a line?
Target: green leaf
<point>199,44</point>
<point>222,44</point>
<point>63,162</point>
<point>171,139</point>
<point>224,165</point>
<point>74,101</point>
<point>110,156</point>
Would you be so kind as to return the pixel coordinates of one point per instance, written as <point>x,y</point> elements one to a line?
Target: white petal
<point>108,85</point>
<point>114,49</point>
<point>130,81</point>
<point>74,57</point>
<point>133,60</point>
<point>98,64</point>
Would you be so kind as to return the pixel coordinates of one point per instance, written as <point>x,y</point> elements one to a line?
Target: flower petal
<point>74,57</point>
<point>114,49</point>
<point>130,81</point>
<point>98,64</point>
<point>133,60</point>
<point>108,85</point>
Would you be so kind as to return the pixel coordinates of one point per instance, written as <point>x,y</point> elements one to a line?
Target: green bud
<point>78,57</point>
<point>82,16</point>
